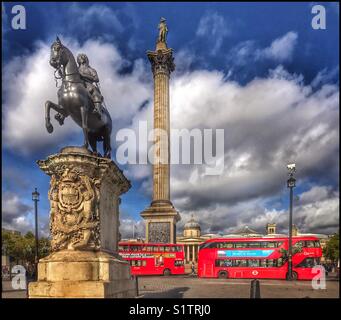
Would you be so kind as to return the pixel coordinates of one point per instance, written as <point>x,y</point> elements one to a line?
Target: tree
<point>21,248</point>
<point>331,250</point>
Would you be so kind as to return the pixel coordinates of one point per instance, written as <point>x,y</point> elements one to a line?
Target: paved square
<point>192,287</point>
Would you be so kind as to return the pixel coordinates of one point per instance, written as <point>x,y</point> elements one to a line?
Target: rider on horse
<point>89,76</point>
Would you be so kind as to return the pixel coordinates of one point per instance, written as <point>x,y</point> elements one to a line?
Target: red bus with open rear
<point>153,258</point>
<point>258,257</point>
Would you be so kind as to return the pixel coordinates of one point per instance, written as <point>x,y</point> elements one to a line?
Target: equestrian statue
<point>79,97</point>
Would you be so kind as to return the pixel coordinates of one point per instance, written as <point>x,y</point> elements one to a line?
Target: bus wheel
<point>166,272</point>
<point>293,274</point>
<point>223,275</point>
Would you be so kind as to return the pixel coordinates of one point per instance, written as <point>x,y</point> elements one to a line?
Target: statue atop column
<point>163,30</point>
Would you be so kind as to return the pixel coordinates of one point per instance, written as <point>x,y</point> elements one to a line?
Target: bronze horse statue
<point>75,101</point>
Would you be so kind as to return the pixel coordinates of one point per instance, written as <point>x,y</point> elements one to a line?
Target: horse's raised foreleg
<point>84,115</point>
<point>62,114</point>
<point>48,125</point>
<point>107,144</point>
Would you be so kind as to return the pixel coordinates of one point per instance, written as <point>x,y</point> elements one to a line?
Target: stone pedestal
<point>84,220</point>
<point>161,219</point>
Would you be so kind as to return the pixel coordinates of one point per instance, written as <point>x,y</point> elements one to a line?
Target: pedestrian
<point>193,267</point>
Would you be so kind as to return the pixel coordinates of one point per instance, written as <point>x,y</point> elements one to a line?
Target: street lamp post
<point>35,198</point>
<point>291,183</point>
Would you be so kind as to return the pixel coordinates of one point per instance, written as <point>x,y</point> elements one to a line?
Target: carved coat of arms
<point>74,220</point>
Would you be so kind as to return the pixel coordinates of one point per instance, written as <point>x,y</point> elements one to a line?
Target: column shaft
<point>161,184</point>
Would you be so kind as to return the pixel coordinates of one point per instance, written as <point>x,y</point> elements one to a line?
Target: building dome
<point>192,228</point>
<point>192,224</point>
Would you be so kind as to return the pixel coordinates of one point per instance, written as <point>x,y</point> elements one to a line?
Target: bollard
<point>137,286</point>
<point>255,289</point>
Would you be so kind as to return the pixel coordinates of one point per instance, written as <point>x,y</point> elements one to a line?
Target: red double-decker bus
<point>153,258</point>
<point>258,258</point>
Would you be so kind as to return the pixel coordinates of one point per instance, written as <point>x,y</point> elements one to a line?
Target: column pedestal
<point>161,219</point>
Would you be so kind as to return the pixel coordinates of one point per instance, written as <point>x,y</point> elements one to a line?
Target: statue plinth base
<point>82,274</point>
<point>84,220</point>
<point>161,218</point>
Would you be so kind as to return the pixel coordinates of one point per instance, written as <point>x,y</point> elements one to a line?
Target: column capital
<point>162,61</point>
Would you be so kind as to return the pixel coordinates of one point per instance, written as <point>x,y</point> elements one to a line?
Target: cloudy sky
<point>258,71</point>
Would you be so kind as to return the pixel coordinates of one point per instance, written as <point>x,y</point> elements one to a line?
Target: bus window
<point>155,249</point>
<point>299,245</point>
<point>172,249</point>
<point>309,244</point>
<point>212,245</point>
<point>144,263</point>
<point>317,244</point>
<point>120,248</point>
<point>253,263</point>
<point>240,245</point>
<point>224,245</point>
<point>223,263</point>
<point>167,248</point>
<point>228,263</point>
<point>254,245</point>
<point>270,263</point>
<point>219,263</point>
<point>126,248</point>
<point>279,244</point>
<point>279,262</point>
<point>240,263</point>
<point>308,263</point>
<point>271,244</point>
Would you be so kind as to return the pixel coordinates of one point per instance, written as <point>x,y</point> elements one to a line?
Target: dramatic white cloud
<point>83,18</point>
<point>281,49</point>
<point>15,214</point>
<point>248,52</point>
<point>213,27</point>
<point>321,215</point>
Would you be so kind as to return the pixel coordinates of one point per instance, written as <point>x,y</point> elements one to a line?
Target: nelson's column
<point>161,216</point>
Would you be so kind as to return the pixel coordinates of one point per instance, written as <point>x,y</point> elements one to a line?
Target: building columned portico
<point>191,240</point>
